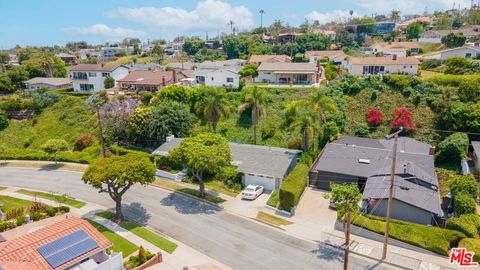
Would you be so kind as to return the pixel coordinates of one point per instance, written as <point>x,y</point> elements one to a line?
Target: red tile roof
<point>21,253</point>
<point>148,77</point>
<point>326,54</point>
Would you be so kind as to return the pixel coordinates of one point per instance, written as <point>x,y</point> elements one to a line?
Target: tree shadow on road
<point>136,212</point>
<point>186,205</point>
<point>326,252</point>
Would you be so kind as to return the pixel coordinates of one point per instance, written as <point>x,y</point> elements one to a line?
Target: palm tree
<point>307,121</point>
<point>323,104</point>
<point>255,98</point>
<point>395,15</point>
<point>214,107</point>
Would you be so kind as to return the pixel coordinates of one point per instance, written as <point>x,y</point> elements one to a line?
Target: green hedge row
<point>293,186</point>
<point>451,80</point>
<point>435,239</point>
<point>472,245</point>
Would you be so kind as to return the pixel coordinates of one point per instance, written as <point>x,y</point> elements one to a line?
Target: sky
<point>50,22</point>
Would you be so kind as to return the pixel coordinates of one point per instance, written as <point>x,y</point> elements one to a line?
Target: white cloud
<point>325,17</point>
<point>409,6</point>
<point>209,15</point>
<point>104,31</point>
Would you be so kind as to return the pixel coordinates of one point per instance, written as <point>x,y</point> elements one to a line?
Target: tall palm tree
<point>307,121</point>
<point>323,104</point>
<point>214,107</point>
<point>255,98</point>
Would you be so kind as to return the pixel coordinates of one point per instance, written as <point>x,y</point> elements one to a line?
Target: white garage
<point>268,182</point>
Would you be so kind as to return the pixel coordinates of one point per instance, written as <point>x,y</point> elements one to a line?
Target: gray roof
<point>254,159</point>
<point>476,147</point>
<point>49,81</point>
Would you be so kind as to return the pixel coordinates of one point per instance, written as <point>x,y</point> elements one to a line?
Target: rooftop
<point>254,159</point>
<point>148,77</point>
<point>94,67</point>
<point>269,58</point>
<point>22,253</point>
<point>49,81</point>
<point>326,54</point>
<point>398,45</point>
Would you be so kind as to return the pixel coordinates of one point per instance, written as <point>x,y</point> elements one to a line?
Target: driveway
<point>247,208</point>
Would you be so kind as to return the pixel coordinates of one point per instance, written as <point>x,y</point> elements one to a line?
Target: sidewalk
<point>181,257</point>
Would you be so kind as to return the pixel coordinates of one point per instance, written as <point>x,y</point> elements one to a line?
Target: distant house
<point>219,73</point>
<point>288,37</point>
<point>258,59</point>
<point>288,73</point>
<point>385,27</point>
<point>91,77</point>
<point>463,52</point>
<point>110,52</point>
<point>148,66</point>
<point>47,83</point>
<point>89,53</point>
<point>471,32</point>
<point>68,59</point>
<point>329,33</point>
<point>13,59</point>
<point>476,157</point>
<point>400,49</point>
<point>69,244</point>
<point>362,66</point>
<point>149,80</point>
<point>337,56</point>
<point>367,163</point>
<point>259,165</point>
<point>424,20</point>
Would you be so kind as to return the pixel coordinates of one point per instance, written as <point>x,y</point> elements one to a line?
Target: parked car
<point>251,192</point>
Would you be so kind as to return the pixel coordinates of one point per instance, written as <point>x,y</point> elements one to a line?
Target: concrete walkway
<point>183,256</point>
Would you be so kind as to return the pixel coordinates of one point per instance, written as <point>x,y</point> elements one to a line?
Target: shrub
<point>464,204</point>
<point>464,184</point>
<point>472,245</point>
<point>295,143</point>
<point>362,130</point>
<point>7,225</point>
<point>85,141</point>
<point>374,117</point>
<point>51,211</point>
<point>460,225</point>
<point>293,186</point>
<point>402,117</point>
<point>146,97</point>
<point>14,213</point>
<point>20,220</point>
<point>35,216</point>
<point>142,255</point>
<point>431,64</point>
<point>3,121</point>
<point>473,219</point>
<point>64,209</point>
<point>37,207</point>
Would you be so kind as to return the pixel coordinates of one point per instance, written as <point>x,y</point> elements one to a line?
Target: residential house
<point>89,53</point>
<point>367,163</point>
<point>259,165</point>
<point>258,59</point>
<point>472,33</point>
<point>329,33</point>
<point>148,66</point>
<point>288,37</point>
<point>47,83</point>
<point>72,244</point>
<point>288,73</point>
<point>110,52</point>
<point>400,49</point>
<point>384,27</point>
<point>362,66</point>
<point>13,60</point>
<point>148,80</point>
<point>219,73</point>
<point>464,52</point>
<point>68,59</point>
<point>336,56</point>
<point>91,77</point>
<point>423,20</point>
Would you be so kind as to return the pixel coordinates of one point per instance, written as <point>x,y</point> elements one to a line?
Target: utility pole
<point>347,241</point>
<point>231,23</point>
<point>261,18</point>
<point>390,193</point>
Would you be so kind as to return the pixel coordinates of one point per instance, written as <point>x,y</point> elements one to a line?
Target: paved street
<point>234,241</point>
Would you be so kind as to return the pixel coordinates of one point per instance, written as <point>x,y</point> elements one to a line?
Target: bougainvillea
<point>402,117</point>
<point>374,117</point>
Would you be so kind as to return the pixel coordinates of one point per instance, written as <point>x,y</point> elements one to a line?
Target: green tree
<point>453,40</point>
<point>204,153</point>
<point>136,49</point>
<point>158,50</point>
<point>443,22</point>
<point>109,82</point>
<point>4,151</point>
<point>214,106</point>
<point>3,121</point>
<point>464,204</point>
<point>464,184</point>
<point>249,69</point>
<point>306,120</point>
<point>192,46</point>
<point>365,25</point>
<point>346,198</point>
<point>414,30</point>
<point>142,255</point>
<point>54,146</point>
<point>6,84</point>
<point>395,15</point>
<point>255,98</point>
<point>117,174</point>
<point>4,57</point>
<point>453,148</point>
<point>323,104</point>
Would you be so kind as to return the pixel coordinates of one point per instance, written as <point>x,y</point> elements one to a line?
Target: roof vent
<point>364,161</point>
<point>170,138</point>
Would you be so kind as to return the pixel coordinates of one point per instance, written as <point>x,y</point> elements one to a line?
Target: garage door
<point>267,183</point>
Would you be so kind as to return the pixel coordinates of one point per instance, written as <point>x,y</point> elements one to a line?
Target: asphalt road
<point>234,241</point>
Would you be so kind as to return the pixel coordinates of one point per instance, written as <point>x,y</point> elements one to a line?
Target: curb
<point>269,224</point>
<point>219,206</point>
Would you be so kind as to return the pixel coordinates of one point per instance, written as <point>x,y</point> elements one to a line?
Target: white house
<point>336,56</point>
<point>47,83</point>
<point>259,165</point>
<point>400,49</point>
<point>91,77</point>
<point>89,53</point>
<point>471,32</point>
<point>464,52</point>
<point>288,73</point>
<point>219,73</point>
<point>361,66</point>
<point>110,52</point>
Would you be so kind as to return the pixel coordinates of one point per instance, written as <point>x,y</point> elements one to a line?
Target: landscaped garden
<point>60,198</point>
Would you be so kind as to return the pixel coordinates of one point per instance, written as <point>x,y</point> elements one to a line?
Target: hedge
<point>461,225</point>
<point>472,245</point>
<point>293,186</point>
<point>464,204</point>
<point>451,80</point>
<point>435,239</point>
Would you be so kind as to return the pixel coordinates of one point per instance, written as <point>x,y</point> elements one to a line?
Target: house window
<point>468,55</point>
<point>212,78</point>
<point>105,74</point>
<point>229,80</point>
<point>80,76</point>
<point>86,87</point>
<point>92,74</point>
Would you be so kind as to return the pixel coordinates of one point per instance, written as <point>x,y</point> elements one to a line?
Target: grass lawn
<point>53,197</point>
<point>272,219</point>
<point>219,187</point>
<point>142,232</point>
<point>119,243</point>
<point>11,203</point>
<point>194,192</point>
<point>3,188</point>
<point>274,199</point>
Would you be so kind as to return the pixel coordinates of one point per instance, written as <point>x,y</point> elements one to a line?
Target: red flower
<point>374,117</point>
<point>402,118</point>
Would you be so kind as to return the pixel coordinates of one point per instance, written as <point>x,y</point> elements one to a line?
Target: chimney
<point>164,82</point>
<point>394,58</point>
<point>174,75</point>
<point>432,150</point>
<point>390,43</point>
<point>103,65</point>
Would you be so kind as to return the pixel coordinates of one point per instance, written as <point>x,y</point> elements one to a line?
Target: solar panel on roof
<point>67,248</point>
